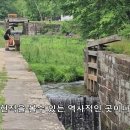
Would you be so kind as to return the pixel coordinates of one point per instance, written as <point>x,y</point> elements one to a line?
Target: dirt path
<point>23,88</point>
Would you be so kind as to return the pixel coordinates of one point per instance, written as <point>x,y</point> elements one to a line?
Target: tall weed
<point>55,58</point>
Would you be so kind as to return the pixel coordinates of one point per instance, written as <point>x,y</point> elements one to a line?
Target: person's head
<point>12,27</point>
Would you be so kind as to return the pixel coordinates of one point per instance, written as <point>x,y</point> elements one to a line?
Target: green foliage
<point>34,9</point>
<point>39,9</point>
<point>6,6</point>
<point>96,18</point>
<point>20,7</point>
<point>99,18</point>
<point>66,27</point>
<point>55,73</point>
<point>69,26</point>
<point>1,31</point>
<point>55,58</point>
<point>125,31</point>
<point>2,41</point>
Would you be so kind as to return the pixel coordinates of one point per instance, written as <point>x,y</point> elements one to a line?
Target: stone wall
<point>113,79</point>
<point>35,28</point>
<point>2,24</point>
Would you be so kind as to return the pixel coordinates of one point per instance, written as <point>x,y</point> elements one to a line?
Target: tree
<point>6,7</point>
<point>99,18</point>
<point>20,7</point>
<point>39,9</point>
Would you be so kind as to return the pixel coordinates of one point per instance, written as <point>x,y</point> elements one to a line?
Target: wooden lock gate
<point>91,62</point>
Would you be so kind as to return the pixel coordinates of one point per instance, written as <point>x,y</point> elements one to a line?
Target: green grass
<point>3,80</point>
<point>55,58</point>
<point>121,47</point>
<point>2,41</point>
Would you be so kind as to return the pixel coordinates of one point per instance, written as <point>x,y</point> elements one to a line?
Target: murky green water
<point>76,89</point>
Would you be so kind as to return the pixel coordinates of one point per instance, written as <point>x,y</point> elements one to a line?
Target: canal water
<point>74,108</point>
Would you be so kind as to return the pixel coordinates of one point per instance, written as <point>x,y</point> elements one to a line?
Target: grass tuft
<point>2,41</point>
<point>121,47</point>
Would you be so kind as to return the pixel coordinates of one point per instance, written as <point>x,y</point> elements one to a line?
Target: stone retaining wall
<point>113,79</point>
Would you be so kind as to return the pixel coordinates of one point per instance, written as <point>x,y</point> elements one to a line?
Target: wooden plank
<point>92,65</point>
<point>105,40</point>
<point>92,77</point>
<point>92,53</point>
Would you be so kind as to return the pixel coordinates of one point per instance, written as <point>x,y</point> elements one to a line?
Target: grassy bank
<point>54,58</point>
<point>2,41</point>
<point>121,47</point>
<point>3,79</point>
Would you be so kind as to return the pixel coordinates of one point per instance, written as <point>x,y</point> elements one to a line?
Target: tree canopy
<point>96,18</point>
<point>99,18</point>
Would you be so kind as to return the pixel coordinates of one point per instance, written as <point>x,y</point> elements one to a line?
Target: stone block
<point>127,85</point>
<point>116,81</point>
<point>113,60</point>
<point>117,60</point>
<point>116,89</point>
<point>102,98</point>
<point>98,64</point>
<point>115,67</point>
<point>126,77</point>
<point>123,126</point>
<point>111,97</point>
<point>123,97</point>
<point>105,122</point>
<point>126,70</point>
<point>113,117</point>
<point>110,84</point>
<point>111,71</point>
<point>106,69</point>
<point>122,82</point>
<point>106,56</point>
<point>110,58</point>
<point>115,92</point>
<point>99,80</point>
<point>103,82</point>
<point>114,126</point>
<point>128,96</point>
<point>104,74</point>
<point>104,90</point>
<point>106,61</point>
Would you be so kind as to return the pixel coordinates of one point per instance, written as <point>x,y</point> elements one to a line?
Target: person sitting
<point>69,34</point>
<point>7,37</point>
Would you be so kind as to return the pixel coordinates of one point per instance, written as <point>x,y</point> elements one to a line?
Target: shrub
<point>126,31</point>
<point>69,26</point>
